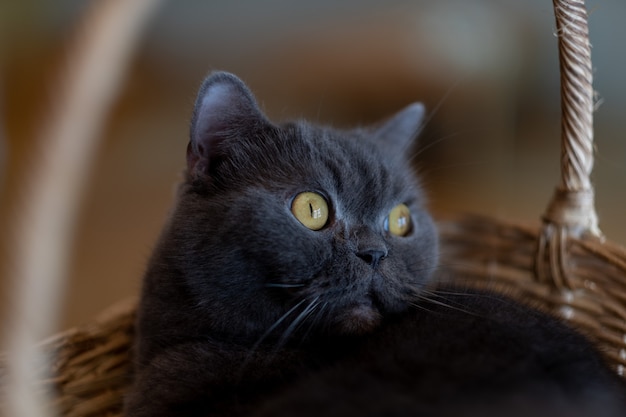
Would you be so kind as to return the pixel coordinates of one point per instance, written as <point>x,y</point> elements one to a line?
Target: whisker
<point>438,106</point>
<point>427,173</point>
<point>282,285</point>
<point>430,297</point>
<point>486,294</point>
<point>283,340</point>
<point>270,330</point>
<point>297,321</point>
<point>446,305</point>
<point>430,116</point>
<point>319,315</point>
<point>430,144</point>
<point>441,293</point>
<point>421,307</point>
<point>416,294</point>
<point>273,327</point>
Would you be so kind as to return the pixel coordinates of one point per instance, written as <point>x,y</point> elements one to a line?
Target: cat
<point>295,276</point>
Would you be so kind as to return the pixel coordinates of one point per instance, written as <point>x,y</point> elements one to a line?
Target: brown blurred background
<point>492,146</point>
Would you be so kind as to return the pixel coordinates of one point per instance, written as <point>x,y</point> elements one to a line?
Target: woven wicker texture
<point>563,265</point>
<point>486,253</point>
<point>92,364</point>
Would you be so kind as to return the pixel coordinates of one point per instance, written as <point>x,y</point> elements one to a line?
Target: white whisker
<point>437,107</point>
<point>316,319</point>
<point>282,285</point>
<point>298,320</point>
<point>247,360</point>
<point>435,142</point>
<point>430,297</point>
<point>421,307</point>
<point>278,322</point>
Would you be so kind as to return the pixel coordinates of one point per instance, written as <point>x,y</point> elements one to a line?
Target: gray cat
<point>294,278</point>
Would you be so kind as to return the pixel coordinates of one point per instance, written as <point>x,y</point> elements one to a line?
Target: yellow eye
<point>399,220</point>
<point>311,210</point>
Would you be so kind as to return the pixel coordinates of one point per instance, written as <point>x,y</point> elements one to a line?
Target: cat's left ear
<point>224,111</point>
<point>400,131</point>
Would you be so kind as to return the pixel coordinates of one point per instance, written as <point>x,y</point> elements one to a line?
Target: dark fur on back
<point>462,353</point>
<point>241,300</point>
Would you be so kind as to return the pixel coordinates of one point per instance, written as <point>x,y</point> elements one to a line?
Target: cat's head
<point>295,226</point>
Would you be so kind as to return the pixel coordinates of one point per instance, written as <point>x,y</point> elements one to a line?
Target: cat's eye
<point>311,209</point>
<point>399,220</point>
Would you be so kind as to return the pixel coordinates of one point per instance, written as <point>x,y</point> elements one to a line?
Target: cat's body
<point>461,353</point>
<point>299,254</point>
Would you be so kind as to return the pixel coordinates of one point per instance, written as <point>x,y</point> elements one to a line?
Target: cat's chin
<point>359,319</point>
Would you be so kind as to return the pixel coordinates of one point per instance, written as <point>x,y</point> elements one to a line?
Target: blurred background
<point>487,70</point>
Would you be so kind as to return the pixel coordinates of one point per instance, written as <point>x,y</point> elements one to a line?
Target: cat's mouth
<point>359,318</point>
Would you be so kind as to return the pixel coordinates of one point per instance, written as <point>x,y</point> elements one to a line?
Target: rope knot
<point>573,210</point>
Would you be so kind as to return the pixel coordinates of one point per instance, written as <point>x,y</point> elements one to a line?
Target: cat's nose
<point>372,256</point>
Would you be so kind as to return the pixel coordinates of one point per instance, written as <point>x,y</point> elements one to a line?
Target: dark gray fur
<point>240,300</point>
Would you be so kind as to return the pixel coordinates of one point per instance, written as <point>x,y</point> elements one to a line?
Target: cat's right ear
<point>400,131</point>
<point>224,109</point>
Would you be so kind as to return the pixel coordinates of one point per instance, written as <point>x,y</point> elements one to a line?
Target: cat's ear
<point>398,133</point>
<point>224,109</point>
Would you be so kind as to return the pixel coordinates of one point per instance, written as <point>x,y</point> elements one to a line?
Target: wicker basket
<point>563,265</point>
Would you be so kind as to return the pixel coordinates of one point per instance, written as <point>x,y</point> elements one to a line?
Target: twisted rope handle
<point>572,206</point>
<point>571,212</point>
